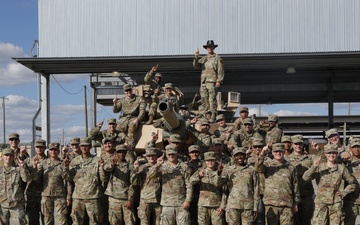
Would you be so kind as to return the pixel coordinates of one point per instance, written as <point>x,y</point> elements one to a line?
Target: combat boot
<point>212,118</point>
<point>150,121</point>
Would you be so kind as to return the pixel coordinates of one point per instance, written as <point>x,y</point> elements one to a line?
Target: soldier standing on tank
<point>281,193</point>
<point>176,193</point>
<point>243,190</point>
<point>149,180</point>
<point>133,111</point>
<point>117,137</point>
<point>155,91</point>
<point>212,198</point>
<point>12,186</point>
<point>330,192</point>
<point>212,76</point>
<point>54,174</point>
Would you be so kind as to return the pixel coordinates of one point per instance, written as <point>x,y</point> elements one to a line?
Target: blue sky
<point>19,29</point>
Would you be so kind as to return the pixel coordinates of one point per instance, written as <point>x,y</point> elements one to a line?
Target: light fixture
<point>116,73</point>
<point>290,70</point>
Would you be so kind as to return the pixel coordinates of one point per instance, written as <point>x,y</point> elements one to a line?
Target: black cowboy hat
<point>210,43</point>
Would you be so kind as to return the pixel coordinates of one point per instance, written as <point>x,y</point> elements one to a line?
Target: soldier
<point>87,176</point>
<point>120,188</point>
<point>286,140</point>
<point>212,199</point>
<point>176,191</point>
<point>273,133</point>
<point>150,183</point>
<point>330,192</point>
<point>117,137</point>
<point>245,135</point>
<point>352,200</point>
<point>154,92</point>
<point>242,186</point>
<point>202,138</point>
<point>302,162</point>
<point>281,193</point>
<point>212,76</point>
<point>333,137</point>
<point>244,113</point>
<point>14,141</point>
<point>33,193</point>
<point>75,149</point>
<point>54,175</point>
<point>12,186</point>
<point>224,131</point>
<point>218,148</point>
<point>133,111</point>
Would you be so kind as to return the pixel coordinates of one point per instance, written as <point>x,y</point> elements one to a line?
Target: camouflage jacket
<point>117,137</point>
<point>153,84</point>
<point>134,107</point>
<point>194,165</point>
<point>121,181</point>
<point>171,100</point>
<point>36,186</point>
<point>302,163</point>
<point>273,135</point>
<point>54,175</point>
<point>281,182</point>
<point>243,186</point>
<point>330,180</point>
<point>203,140</point>
<point>176,187</point>
<point>87,177</point>
<point>149,180</point>
<point>12,186</point>
<point>212,68</point>
<point>354,168</point>
<point>243,139</point>
<point>223,133</point>
<point>211,188</point>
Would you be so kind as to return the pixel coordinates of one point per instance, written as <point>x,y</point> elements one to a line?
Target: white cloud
<point>15,74</point>
<point>8,51</point>
<point>293,113</point>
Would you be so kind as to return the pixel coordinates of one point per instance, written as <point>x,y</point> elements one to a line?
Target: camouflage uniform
<point>203,140</point>
<point>273,135</point>
<point>328,205</point>
<point>243,139</point>
<point>12,199</point>
<point>133,108</point>
<point>281,191</point>
<point>176,189</point>
<point>242,185</point>
<point>211,196</point>
<point>120,189</point>
<point>150,181</point>
<point>88,178</point>
<point>117,137</point>
<point>152,99</point>
<point>212,71</point>
<point>53,193</point>
<point>352,200</point>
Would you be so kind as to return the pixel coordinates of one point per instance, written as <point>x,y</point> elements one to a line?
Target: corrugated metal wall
<point>70,28</point>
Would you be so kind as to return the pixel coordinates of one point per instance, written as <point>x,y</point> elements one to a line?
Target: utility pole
<point>86,115</point>
<point>3,109</point>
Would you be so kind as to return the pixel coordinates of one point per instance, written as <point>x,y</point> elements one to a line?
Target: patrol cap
<point>209,156</point>
<point>174,138</point>
<point>158,75</point>
<point>75,141</point>
<point>210,43</point>
<point>258,142</point>
<point>285,138</point>
<point>150,151</point>
<point>217,141</point>
<point>171,149</point>
<point>248,121</point>
<point>355,142</point>
<point>297,138</point>
<point>40,143</point>
<point>331,132</point>
<point>111,120</point>
<point>127,87</point>
<point>194,148</point>
<point>238,150</point>
<point>244,109</point>
<point>278,147</point>
<point>168,85</point>
<point>204,122</point>
<point>7,151</point>
<point>54,145</point>
<point>272,118</point>
<point>328,148</point>
<point>106,139</point>
<point>85,141</point>
<point>121,147</point>
<point>220,117</point>
<point>14,136</point>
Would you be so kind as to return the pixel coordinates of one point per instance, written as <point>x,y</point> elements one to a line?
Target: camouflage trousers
<point>149,213</point>
<point>208,96</point>
<point>51,206</point>
<point>119,214</point>
<point>351,212</point>
<point>171,215</point>
<point>275,215</point>
<point>14,215</point>
<point>306,210</point>
<point>209,215</point>
<point>91,207</point>
<point>126,124</point>
<point>239,216</point>
<point>33,210</point>
<point>327,214</point>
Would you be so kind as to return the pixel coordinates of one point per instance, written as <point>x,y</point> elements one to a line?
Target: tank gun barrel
<point>172,120</point>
